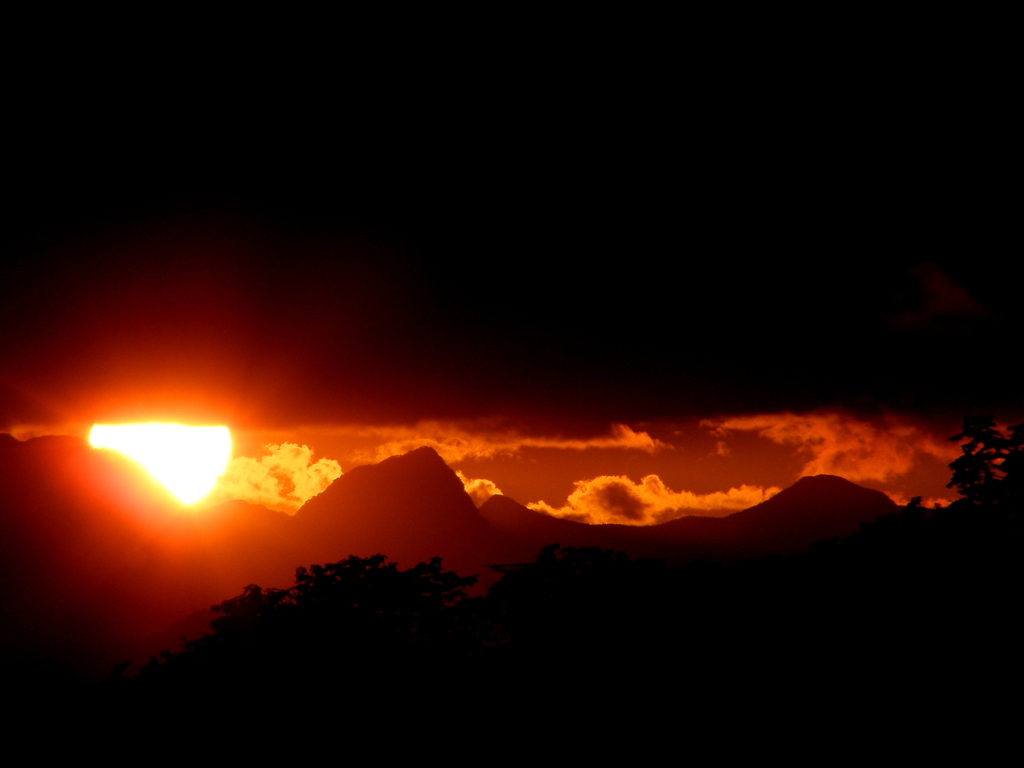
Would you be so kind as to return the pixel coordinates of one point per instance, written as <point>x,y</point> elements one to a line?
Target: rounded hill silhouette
<point>819,507</point>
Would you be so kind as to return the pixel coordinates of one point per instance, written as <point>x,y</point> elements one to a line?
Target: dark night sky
<point>567,250</point>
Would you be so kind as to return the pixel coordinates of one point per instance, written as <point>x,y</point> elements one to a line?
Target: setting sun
<point>187,460</point>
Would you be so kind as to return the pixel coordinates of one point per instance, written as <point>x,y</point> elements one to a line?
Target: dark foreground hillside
<point>910,625</point>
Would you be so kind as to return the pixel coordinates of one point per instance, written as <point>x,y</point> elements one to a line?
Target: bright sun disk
<point>187,460</point>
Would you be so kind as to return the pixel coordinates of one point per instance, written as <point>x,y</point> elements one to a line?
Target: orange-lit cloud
<point>608,499</point>
<point>28,431</point>
<point>284,480</point>
<point>838,444</point>
<point>930,502</point>
<point>479,489</point>
<point>456,443</point>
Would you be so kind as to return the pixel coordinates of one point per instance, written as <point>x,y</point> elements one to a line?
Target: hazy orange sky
<point>644,475</point>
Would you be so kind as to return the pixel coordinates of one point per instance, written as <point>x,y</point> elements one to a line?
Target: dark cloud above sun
<point>270,324</point>
<point>558,276</point>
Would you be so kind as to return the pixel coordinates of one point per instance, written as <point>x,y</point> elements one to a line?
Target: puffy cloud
<point>284,479</point>
<point>479,489</point>
<point>455,443</point>
<point>838,444</point>
<point>608,499</point>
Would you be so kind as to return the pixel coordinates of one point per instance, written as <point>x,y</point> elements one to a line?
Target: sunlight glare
<point>187,460</point>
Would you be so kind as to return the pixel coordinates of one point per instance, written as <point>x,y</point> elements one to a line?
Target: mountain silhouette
<point>813,508</point>
<point>819,507</point>
<point>410,507</point>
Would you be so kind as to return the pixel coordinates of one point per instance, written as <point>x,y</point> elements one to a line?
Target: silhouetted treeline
<point>360,621</point>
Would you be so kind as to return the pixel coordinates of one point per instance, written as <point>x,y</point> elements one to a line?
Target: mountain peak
<point>424,454</point>
<point>410,507</point>
<point>816,502</point>
<point>831,488</point>
<point>834,480</point>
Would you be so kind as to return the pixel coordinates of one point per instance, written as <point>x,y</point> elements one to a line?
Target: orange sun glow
<point>187,460</point>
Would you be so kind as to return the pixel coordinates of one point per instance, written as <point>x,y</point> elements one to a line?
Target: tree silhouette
<point>988,474</point>
<point>577,608</point>
<point>359,621</point>
<point>365,598</point>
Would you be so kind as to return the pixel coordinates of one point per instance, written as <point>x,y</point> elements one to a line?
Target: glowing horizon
<point>186,460</point>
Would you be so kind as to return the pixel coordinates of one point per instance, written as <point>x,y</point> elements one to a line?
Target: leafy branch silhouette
<point>988,474</point>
